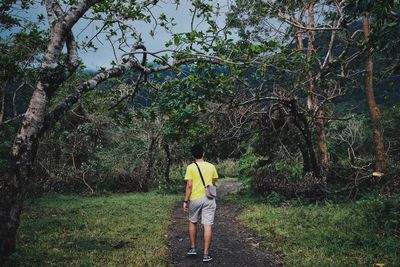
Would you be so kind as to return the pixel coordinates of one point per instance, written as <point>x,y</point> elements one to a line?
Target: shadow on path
<point>232,244</point>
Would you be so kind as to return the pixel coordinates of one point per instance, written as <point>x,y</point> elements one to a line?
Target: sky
<point>103,56</point>
<point>181,14</point>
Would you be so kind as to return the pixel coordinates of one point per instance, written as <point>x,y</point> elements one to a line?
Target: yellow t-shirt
<point>192,173</point>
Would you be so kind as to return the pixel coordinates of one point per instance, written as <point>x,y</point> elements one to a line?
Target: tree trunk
<point>323,154</point>
<point>23,151</point>
<point>150,162</point>
<point>312,100</point>
<point>308,152</point>
<point>307,167</point>
<point>2,103</point>
<point>373,108</point>
<point>13,189</point>
<point>310,146</point>
<point>167,163</point>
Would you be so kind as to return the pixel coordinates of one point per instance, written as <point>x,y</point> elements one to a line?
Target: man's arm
<point>214,177</point>
<point>187,195</point>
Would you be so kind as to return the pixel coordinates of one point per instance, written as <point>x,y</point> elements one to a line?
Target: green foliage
<point>292,170</point>
<point>390,125</point>
<point>331,234</point>
<point>176,184</point>
<point>8,19</point>
<point>274,199</point>
<point>63,230</point>
<point>19,52</point>
<point>247,165</point>
<point>228,168</point>
<point>383,214</point>
<point>122,164</point>
<point>349,139</point>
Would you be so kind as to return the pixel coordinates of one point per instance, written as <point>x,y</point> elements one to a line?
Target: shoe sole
<point>191,254</point>
<point>207,260</point>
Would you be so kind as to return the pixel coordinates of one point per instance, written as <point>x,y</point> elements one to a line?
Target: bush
<point>274,199</point>
<point>98,156</point>
<point>176,184</point>
<point>267,182</point>
<point>383,214</point>
<point>247,165</point>
<point>280,177</point>
<point>228,168</point>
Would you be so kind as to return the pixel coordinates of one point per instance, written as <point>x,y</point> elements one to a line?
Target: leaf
<point>177,40</point>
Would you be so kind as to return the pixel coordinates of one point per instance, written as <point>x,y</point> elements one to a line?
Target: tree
<point>318,43</point>
<point>378,35</point>
<point>55,70</point>
<point>373,107</point>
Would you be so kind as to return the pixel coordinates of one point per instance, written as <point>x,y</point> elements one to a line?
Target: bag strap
<point>201,175</point>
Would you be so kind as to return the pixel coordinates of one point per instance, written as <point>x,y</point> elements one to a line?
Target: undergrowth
<point>360,233</point>
<point>115,230</point>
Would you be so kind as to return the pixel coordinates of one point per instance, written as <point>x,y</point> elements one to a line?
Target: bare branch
<point>13,119</point>
<point>273,98</point>
<point>132,94</point>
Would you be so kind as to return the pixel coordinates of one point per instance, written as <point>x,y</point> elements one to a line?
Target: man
<point>196,202</point>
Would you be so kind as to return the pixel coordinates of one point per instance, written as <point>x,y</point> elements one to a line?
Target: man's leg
<point>207,237</point>
<point>192,234</point>
<point>207,219</point>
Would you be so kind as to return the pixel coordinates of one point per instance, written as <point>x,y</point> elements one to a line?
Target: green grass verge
<point>327,235</point>
<point>116,230</point>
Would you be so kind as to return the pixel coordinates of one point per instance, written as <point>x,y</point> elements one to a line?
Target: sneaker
<point>192,252</point>
<point>207,258</point>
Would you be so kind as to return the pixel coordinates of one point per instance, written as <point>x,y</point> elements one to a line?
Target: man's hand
<point>187,195</point>
<point>185,207</point>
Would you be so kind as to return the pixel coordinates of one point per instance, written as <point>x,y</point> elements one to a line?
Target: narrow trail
<point>232,244</point>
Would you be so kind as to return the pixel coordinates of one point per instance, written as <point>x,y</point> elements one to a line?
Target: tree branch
<point>77,10</point>
<point>59,111</point>
<point>72,48</point>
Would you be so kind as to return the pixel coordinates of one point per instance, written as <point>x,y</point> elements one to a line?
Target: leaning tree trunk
<point>23,151</point>
<point>373,108</point>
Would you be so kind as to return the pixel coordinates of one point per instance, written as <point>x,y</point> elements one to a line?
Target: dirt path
<point>232,244</point>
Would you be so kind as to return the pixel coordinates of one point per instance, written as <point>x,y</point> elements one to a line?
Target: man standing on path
<point>196,202</point>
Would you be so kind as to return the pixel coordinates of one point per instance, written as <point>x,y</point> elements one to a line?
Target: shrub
<point>176,184</point>
<point>247,165</point>
<point>228,168</point>
<point>274,199</point>
<point>383,214</point>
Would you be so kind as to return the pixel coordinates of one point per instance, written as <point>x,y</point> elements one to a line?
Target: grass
<point>116,230</point>
<point>325,235</point>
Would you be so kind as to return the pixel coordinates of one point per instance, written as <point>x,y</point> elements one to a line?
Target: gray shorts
<point>204,208</point>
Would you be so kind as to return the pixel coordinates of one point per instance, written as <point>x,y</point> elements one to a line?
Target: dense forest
<point>298,100</point>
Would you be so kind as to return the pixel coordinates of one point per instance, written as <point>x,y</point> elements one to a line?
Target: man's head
<point>197,151</point>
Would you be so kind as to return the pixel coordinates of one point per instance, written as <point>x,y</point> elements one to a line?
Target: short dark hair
<point>197,151</point>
